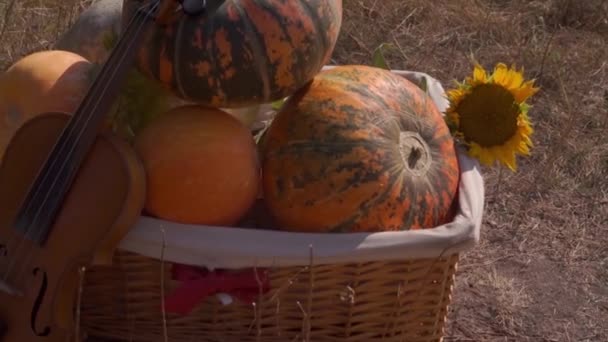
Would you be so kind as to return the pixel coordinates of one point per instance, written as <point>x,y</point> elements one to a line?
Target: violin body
<point>39,284</point>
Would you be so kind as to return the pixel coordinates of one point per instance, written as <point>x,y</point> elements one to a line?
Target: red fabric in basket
<point>197,284</point>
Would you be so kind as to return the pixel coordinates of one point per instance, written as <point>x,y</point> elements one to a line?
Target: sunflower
<point>489,114</point>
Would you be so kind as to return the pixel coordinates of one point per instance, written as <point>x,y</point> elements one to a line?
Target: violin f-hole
<point>38,303</point>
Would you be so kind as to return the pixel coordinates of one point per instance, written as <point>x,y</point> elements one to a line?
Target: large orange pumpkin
<point>359,149</point>
<point>244,52</point>
<point>201,164</point>
<point>41,82</point>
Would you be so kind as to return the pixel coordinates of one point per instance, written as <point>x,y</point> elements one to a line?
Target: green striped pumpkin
<point>359,149</point>
<point>244,53</point>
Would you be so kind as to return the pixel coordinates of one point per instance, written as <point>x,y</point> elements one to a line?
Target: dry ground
<point>540,272</point>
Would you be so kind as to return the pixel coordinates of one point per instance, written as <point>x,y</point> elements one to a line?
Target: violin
<point>69,192</point>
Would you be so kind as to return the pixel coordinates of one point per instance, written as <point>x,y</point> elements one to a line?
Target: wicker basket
<point>389,286</point>
<point>389,301</point>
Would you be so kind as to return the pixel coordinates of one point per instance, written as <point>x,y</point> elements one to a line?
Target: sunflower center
<point>488,115</point>
<point>414,153</point>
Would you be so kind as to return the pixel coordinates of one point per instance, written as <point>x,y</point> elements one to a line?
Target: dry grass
<point>540,273</point>
<point>541,270</point>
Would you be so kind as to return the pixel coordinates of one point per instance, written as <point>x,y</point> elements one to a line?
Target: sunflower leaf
<point>276,105</point>
<point>109,40</point>
<point>424,85</point>
<point>378,59</point>
<point>524,107</point>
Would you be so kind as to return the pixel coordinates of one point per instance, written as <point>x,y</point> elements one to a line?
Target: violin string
<point>86,103</point>
<point>151,7</point>
<point>19,247</point>
<point>128,45</point>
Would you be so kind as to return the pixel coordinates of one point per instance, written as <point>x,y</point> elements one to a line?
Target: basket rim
<point>233,247</point>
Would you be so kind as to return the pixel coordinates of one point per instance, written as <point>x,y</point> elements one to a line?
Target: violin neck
<point>97,102</point>
<point>38,210</point>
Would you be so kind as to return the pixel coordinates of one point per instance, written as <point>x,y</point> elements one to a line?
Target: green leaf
<point>109,40</point>
<point>424,85</point>
<point>276,105</point>
<point>378,59</point>
<point>259,136</point>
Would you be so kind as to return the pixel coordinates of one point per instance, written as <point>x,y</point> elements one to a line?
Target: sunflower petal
<point>508,159</point>
<point>479,75</point>
<point>515,79</point>
<point>455,94</point>
<point>519,143</point>
<point>476,151</point>
<point>523,148</point>
<point>500,74</point>
<point>453,118</point>
<point>523,92</point>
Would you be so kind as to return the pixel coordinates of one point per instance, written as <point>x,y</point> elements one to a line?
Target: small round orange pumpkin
<point>359,149</point>
<point>43,81</point>
<point>201,164</point>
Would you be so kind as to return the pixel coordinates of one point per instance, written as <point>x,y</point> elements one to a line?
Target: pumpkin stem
<point>415,153</point>
<point>414,157</point>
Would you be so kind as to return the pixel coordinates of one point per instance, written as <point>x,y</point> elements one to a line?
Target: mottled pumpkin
<point>359,149</point>
<point>244,53</point>
<point>93,35</point>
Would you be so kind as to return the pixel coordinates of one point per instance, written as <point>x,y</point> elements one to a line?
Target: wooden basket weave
<point>389,301</point>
